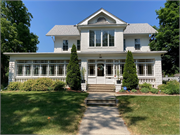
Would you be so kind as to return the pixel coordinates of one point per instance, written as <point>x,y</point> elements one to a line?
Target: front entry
<point>100,74</point>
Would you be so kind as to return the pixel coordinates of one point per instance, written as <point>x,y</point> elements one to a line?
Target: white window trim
<point>135,44</point>
<point>101,47</point>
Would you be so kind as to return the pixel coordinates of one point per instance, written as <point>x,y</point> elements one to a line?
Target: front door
<point>100,74</point>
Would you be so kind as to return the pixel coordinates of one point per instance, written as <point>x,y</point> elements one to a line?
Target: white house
<point>102,41</point>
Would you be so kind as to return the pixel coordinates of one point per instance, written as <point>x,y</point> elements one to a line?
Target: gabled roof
<point>101,10</point>
<point>139,28</point>
<point>71,30</point>
<point>63,30</point>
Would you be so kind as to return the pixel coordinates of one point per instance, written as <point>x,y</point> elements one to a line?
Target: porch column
<point>84,65</point>
<point>158,71</point>
<point>11,71</point>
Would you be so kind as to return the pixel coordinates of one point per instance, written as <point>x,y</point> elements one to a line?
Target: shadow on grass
<point>124,108</point>
<point>28,112</point>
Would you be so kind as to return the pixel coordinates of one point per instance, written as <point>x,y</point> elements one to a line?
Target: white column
<point>158,71</point>
<point>11,71</point>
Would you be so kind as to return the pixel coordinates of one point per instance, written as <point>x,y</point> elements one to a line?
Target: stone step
<point>101,102</point>
<point>100,89</point>
<point>112,85</point>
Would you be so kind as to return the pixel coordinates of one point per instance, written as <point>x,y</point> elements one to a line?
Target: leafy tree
<point>15,33</point>
<point>130,79</point>
<point>167,38</point>
<point>73,78</point>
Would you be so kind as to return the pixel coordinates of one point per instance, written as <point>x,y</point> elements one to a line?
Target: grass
<point>28,112</point>
<point>150,114</point>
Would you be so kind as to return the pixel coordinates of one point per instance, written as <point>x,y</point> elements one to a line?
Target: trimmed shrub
<point>73,78</point>
<point>154,90</point>
<point>14,86</point>
<point>58,85</point>
<point>42,84</point>
<point>28,85</point>
<point>144,90</point>
<point>145,85</point>
<point>130,79</point>
<point>162,87</point>
<point>133,90</point>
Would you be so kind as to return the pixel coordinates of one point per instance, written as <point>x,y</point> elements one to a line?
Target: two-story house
<point>102,41</point>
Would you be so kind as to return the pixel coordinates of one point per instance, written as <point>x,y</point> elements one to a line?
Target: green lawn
<point>28,112</point>
<point>150,114</point>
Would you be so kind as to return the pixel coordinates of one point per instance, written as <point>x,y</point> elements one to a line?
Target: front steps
<point>101,88</point>
<point>102,102</point>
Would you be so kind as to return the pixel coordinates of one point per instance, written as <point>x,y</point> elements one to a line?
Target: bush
<point>130,79</point>
<point>172,87</point>
<point>133,90</point>
<point>144,90</point>
<point>28,85</point>
<point>154,90</point>
<point>145,85</point>
<point>122,90</point>
<point>58,85</point>
<point>14,86</point>
<point>42,84</point>
<point>73,78</point>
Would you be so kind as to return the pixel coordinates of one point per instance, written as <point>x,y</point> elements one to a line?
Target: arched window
<point>101,19</point>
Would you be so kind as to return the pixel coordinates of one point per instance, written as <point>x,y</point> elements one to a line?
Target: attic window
<point>101,19</point>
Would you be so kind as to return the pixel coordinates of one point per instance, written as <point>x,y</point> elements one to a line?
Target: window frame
<point>108,39</point>
<point>65,46</point>
<point>137,44</point>
<point>78,45</point>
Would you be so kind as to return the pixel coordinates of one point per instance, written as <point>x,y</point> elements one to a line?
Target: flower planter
<point>118,81</point>
<point>82,81</point>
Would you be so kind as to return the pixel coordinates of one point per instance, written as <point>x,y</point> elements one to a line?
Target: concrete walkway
<point>102,120</point>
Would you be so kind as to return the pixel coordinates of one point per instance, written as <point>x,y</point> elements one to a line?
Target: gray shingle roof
<point>63,30</point>
<point>138,28</point>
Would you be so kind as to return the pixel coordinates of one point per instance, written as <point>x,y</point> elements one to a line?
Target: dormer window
<point>101,19</point>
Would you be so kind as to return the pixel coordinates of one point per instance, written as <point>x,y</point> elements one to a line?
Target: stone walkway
<point>102,120</point>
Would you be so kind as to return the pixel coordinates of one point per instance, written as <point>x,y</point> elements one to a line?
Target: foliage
<point>167,38</point>
<point>133,90</point>
<point>122,90</point>
<point>28,85</point>
<point>30,110</point>
<point>73,78</point>
<point>145,85</point>
<point>130,79</point>
<point>171,87</point>
<point>164,82</point>
<point>58,85</point>
<point>118,74</point>
<point>83,70</point>
<point>144,90</point>
<point>14,86</point>
<point>154,90</point>
<point>159,113</point>
<point>15,33</point>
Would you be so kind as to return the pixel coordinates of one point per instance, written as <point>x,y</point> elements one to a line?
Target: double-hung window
<point>124,44</point>
<point>101,38</point>
<point>65,45</point>
<point>137,44</point>
<point>78,45</point>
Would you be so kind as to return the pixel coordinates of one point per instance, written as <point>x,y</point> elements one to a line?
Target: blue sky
<point>46,14</point>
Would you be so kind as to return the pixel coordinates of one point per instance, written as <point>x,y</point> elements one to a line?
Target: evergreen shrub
<point>58,85</point>
<point>130,79</point>
<point>73,78</point>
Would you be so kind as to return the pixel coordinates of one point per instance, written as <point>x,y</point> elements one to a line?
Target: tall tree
<point>15,33</point>
<point>167,38</point>
<point>73,78</point>
<point>130,79</point>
